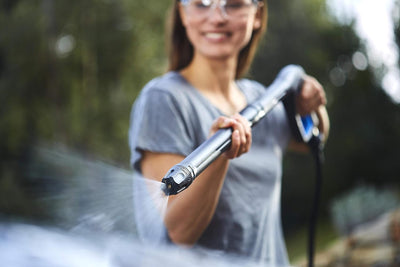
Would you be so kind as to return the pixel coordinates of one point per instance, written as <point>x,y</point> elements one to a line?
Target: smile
<point>216,35</point>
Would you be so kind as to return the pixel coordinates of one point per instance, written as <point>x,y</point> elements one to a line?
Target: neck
<point>211,75</point>
<point>215,79</point>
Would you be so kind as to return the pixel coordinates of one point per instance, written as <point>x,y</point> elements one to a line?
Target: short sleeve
<point>157,124</point>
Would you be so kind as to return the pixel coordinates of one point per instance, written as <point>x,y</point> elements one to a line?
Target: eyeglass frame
<point>213,5</point>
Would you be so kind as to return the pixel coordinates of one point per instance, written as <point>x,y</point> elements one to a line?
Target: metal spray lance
<point>288,81</point>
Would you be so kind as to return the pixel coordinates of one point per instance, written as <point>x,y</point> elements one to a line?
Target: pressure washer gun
<point>284,87</point>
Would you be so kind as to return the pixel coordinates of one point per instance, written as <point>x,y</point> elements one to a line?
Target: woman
<point>233,206</point>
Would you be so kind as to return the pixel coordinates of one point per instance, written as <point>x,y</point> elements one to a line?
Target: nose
<point>217,12</point>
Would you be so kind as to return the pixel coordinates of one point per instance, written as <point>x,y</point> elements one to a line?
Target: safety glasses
<point>229,8</point>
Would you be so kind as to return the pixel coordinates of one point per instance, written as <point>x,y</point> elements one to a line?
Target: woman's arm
<point>189,213</point>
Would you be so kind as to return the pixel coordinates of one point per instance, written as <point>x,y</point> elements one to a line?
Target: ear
<point>258,19</point>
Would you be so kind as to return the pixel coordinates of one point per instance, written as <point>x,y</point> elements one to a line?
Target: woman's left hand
<point>310,97</point>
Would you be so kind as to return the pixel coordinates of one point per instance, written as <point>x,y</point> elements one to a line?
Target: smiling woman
<point>217,38</point>
<point>234,205</point>
<point>181,49</point>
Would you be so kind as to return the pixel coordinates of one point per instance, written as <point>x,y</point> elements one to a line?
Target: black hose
<point>316,149</point>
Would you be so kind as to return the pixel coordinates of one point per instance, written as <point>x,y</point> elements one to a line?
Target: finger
<point>307,91</point>
<point>310,106</point>
<point>244,130</point>
<point>233,151</point>
<point>318,99</point>
<point>238,125</point>
<point>310,86</point>
<point>236,139</point>
<point>244,122</point>
<point>320,92</point>
<point>242,137</point>
<point>247,133</point>
<point>311,97</point>
<point>220,123</point>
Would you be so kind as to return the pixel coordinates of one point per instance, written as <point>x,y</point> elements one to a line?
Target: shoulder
<point>159,119</point>
<point>169,89</point>
<point>169,83</point>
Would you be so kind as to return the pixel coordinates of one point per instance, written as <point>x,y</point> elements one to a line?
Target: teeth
<point>215,35</point>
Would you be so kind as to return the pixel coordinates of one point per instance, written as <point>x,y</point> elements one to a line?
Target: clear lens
<point>229,8</point>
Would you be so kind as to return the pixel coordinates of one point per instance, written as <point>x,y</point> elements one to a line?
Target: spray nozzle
<point>177,179</point>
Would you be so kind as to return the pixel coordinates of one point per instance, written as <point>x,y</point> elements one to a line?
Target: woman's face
<point>218,35</point>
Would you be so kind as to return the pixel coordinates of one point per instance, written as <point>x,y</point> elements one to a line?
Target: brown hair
<point>180,49</point>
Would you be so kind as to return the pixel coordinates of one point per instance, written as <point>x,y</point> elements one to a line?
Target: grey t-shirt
<point>172,116</point>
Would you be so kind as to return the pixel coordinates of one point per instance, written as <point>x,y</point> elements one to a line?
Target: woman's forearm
<point>188,213</point>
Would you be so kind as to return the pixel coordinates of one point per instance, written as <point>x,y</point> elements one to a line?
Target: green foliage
<point>69,73</point>
<point>361,205</point>
<point>71,70</point>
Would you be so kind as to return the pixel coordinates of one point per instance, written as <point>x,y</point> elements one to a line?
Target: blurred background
<point>70,71</point>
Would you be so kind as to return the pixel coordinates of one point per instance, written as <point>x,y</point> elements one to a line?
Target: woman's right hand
<point>241,135</point>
